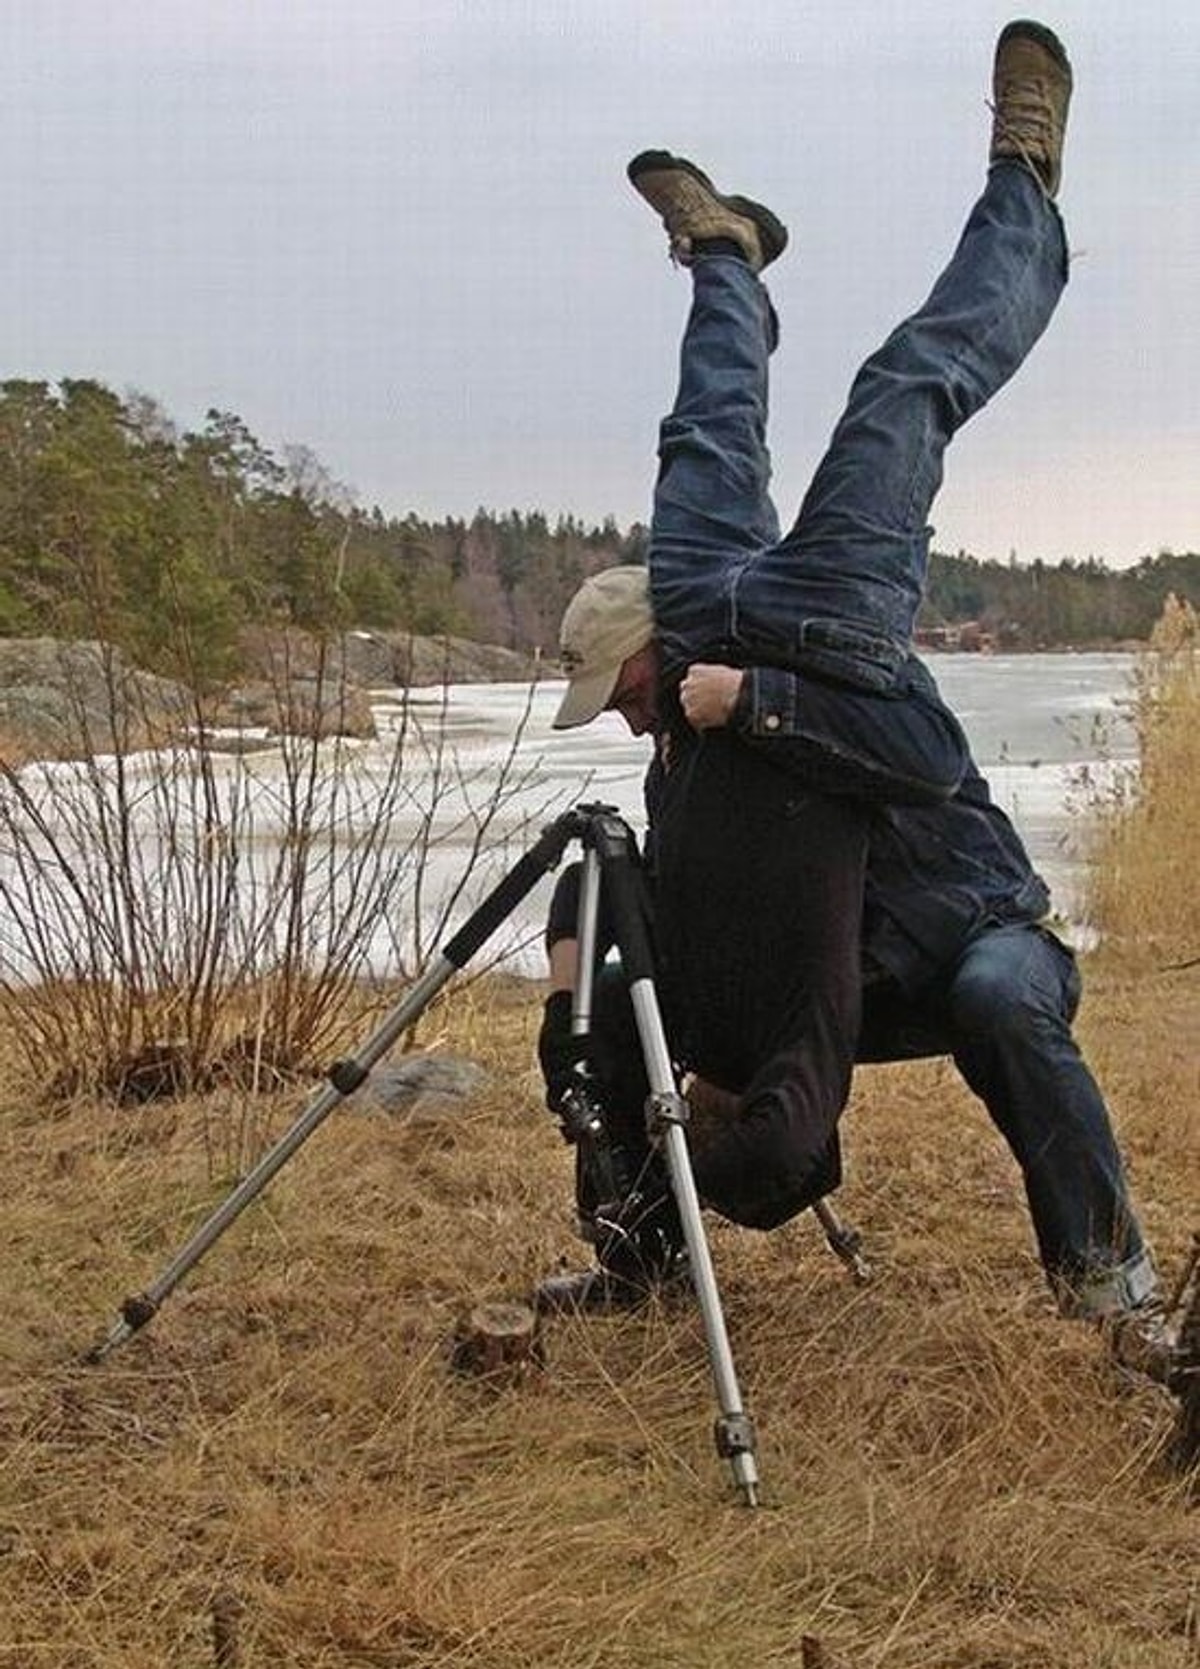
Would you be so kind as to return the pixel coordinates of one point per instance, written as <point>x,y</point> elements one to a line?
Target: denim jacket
<point>936,873</point>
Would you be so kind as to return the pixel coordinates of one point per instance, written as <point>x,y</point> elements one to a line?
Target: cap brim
<point>586,699</point>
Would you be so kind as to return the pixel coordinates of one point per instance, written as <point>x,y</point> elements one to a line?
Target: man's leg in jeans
<point>848,578</point>
<point>847,581</point>
<point>713,515</point>
<point>712,504</point>
<point>1008,1011</point>
<point>1004,1013</point>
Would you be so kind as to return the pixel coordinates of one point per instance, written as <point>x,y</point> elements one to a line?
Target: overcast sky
<point>400,234</point>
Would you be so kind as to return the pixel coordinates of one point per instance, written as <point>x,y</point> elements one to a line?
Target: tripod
<point>608,862</point>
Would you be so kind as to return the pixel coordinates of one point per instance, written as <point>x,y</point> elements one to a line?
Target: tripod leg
<point>345,1076</point>
<point>585,974</point>
<point>845,1242</point>
<point>667,1112</point>
<point>666,1115</point>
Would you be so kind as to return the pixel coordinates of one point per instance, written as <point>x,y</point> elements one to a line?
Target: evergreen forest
<point>114,523</point>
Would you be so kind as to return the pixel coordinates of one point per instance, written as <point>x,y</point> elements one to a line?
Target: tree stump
<point>498,1339</point>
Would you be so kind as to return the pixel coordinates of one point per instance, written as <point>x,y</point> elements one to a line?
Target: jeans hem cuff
<point>1105,1292</point>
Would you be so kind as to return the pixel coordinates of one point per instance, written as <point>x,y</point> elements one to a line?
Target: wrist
<point>741,712</point>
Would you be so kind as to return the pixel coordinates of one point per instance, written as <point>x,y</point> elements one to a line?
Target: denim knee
<point>1012,983</point>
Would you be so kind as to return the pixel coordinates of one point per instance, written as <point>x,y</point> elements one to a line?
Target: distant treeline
<point>115,524</point>
<point>1043,605</point>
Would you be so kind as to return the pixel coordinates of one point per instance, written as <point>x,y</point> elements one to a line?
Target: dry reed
<point>1144,896</point>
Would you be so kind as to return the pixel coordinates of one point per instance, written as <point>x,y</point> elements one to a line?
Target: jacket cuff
<point>766,702</point>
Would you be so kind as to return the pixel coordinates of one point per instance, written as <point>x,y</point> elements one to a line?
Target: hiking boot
<point>1140,1340</point>
<point>694,211</point>
<point>591,1291</point>
<point>600,1291</point>
<point>1185,1441</point>
<point>1031,89</point>
<point>1185,1446</point>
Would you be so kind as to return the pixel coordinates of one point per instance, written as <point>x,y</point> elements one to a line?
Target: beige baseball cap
<point>607,620</point>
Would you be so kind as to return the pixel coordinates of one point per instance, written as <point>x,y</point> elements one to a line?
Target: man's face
<point>636,694</point>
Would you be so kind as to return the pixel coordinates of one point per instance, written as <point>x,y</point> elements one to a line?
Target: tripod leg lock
<point>664,1109</point>
<point>348,1075</point>
<point>733,1435</point>
<point>137,1310</point>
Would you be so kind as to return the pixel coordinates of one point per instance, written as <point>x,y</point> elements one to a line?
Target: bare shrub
<point>224,907</point>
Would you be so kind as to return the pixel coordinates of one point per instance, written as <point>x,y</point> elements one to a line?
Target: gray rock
<point>298,706</point>
<point>368,659</point>
<point>455,660</point>
<point>378,659</point>
<point>68,698</point>
<point>423,1084</point>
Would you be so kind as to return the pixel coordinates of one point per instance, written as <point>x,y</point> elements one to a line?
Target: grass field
<point>283,1470</point>
<point>951,1475</point>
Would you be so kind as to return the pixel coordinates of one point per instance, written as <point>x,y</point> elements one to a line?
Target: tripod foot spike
<point>136,1311</point>
<point>745,1473</point>
<point>117,1334</point>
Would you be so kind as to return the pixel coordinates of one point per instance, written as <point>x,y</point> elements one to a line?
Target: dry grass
<point>282,1470</point>
<point>951,1477</point>
<point>1144,894</point>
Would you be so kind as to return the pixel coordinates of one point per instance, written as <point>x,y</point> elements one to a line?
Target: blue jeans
<point>837,595</point>
<point>1004,1012</point>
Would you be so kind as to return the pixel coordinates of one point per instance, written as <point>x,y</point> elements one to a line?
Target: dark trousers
<point>758,896</point>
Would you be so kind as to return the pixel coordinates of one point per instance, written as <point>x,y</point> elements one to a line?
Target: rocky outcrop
<point>320,706</point>
<point>380,660</point>
<point>305,686</point>
<point>61,699</point>
<point>457,660</point>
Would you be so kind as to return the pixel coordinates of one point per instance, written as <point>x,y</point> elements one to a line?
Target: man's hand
<point>709,694</point>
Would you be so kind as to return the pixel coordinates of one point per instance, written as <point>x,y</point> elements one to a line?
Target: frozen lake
<point>1037,725</point>
<point>482,772</point>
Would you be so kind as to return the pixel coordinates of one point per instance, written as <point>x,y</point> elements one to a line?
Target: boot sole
<point>772,233</point>
<point>1027,30</point>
